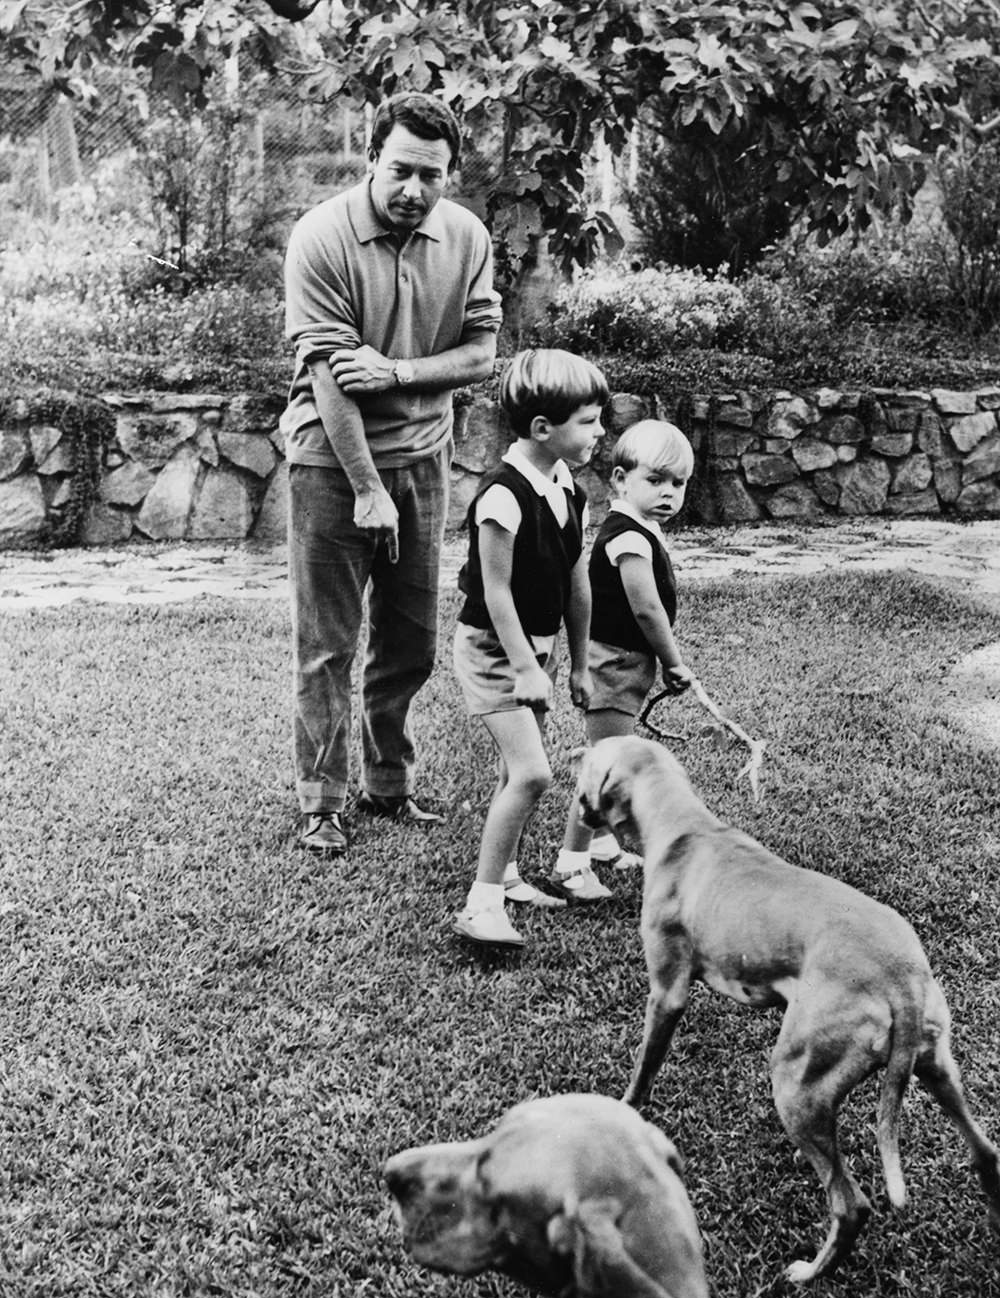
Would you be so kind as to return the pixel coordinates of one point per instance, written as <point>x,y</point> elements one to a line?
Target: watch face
<point>404,372</point>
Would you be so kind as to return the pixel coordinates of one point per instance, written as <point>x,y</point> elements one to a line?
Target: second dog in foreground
<point>857,989</point>
<point>571,1194</point>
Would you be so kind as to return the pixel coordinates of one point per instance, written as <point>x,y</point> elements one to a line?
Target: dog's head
<point>608,777</point>
<point>572,1192</point>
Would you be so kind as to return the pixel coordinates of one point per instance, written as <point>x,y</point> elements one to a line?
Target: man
<point>390,304</point>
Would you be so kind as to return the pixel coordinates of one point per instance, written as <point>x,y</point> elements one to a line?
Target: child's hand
<point>581,686</point>
<point>533,688</point>
<point>677,678</point>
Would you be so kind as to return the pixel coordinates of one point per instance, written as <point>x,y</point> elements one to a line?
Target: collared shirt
<point>349,281</point>
<point>633,542</point>
<point>498,502</point>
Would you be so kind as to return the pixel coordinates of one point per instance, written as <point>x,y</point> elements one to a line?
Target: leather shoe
<point>400,807</point>
<point>324,833</point>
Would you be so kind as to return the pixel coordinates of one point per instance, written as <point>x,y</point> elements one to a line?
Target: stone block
<point>969,431</point>
<point>736,415</point>
<point>953,403</point>
<point>481,436</point>
<point>841,429</point>
<point>165,511</point>
<point>983,462</point>
<point>103,525</point>
<point>623,410</point>
<point>914,474</point>
<point>894,445</point>
<point>788,418</point>
<point>272,517</point>
<point>152,439</point>
<point>904,419</point>
<point>250,451</point>
<point>864,487</point>
<point>810,454</point>
<point>827,486</point>
<point>836,399</point>
<point>127,485</point>
<point>224,506</point>
<point>979,498</point>
<point>847,454</point>
<point>207,446</point>
<point>253,412</point>
<point>796,500</point>
<point>23,516</point>
<point>768,470</point>
<point>988,398</point>
<point>724,441</point>
<point>734,503</point>
<point>13,452</point>
<point>929,432</point>
<point>914,502</point>
<point>947,480</point>
<point>44,439</point>
<point>165,403</point>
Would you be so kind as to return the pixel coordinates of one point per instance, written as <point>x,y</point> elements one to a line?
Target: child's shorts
<point>622,678</point>
<point>484,671</point>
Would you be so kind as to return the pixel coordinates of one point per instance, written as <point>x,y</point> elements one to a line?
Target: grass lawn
<point>210,1041</point>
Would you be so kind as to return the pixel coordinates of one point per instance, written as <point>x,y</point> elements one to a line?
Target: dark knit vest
<point>544,556</point>
<point>612,620</point>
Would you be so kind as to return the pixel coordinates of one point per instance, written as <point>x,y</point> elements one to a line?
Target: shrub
<point>642,312</point>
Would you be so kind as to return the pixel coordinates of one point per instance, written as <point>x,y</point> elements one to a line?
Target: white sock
<point>604,846</point>
<point>510,871</point>
<point>485,896</point>
<point>567,862</point>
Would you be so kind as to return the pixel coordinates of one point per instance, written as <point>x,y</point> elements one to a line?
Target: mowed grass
<point>211,1040</point>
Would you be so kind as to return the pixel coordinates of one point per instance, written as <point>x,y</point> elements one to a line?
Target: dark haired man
<point>389,301</point>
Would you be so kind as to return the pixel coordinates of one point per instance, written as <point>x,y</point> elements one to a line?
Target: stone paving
<point>967,554</point>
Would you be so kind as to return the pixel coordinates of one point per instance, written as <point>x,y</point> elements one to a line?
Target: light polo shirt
<point>499,505</point>
<point>350,281</point>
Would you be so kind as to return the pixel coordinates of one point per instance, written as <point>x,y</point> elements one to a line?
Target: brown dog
<point>573,1194</point>
<point>719,908</point>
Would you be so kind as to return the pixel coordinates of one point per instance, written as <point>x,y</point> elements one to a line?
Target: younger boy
<point>634,605</point>
<point>525,576</point>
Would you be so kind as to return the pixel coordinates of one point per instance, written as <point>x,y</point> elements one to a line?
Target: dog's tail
<point>907,1028</point>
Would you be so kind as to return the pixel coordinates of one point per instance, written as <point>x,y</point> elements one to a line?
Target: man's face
<point>408,178</point>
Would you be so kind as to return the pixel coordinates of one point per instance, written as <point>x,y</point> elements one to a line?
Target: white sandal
<point>526,894</point>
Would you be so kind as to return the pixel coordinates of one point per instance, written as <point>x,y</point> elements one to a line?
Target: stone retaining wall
<point>208,466</point>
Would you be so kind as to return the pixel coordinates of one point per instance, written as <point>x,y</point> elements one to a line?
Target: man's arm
<point>345,431</point>
<point>365,370</point>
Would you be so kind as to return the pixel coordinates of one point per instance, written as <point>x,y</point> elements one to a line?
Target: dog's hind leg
<point>664,1007</point>
<point>809,1081</point>
<point>936,1070</point>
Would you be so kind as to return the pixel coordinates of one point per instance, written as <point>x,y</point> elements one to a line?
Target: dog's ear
<point>588,1232</point>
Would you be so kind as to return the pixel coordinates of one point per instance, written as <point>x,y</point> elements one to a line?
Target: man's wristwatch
<point>403,372</point>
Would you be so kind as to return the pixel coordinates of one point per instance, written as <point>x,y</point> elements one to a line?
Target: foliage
<point>840,99</point>
<point>703,200</point>
<point>644,312</point>
<point>970,210</point>
<point>212,1041</point>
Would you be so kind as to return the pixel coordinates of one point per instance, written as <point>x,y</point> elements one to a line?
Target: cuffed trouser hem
<point>317,798</point>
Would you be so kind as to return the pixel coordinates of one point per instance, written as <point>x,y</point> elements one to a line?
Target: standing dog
<point>573,1194</point>
<point>856,986</point>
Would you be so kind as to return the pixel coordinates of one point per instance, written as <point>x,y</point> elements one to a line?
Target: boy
<point>634,605</point>
<point>525,576</point>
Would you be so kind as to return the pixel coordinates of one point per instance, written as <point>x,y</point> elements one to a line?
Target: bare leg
<point>524,776</point>
<point>600,725</point>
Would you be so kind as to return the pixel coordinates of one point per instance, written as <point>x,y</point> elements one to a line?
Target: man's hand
<point>362,370</point>
<point>533,688</point>
<point>374,511</point>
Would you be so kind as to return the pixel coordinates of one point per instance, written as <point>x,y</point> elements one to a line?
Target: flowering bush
<point>642,312</point>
